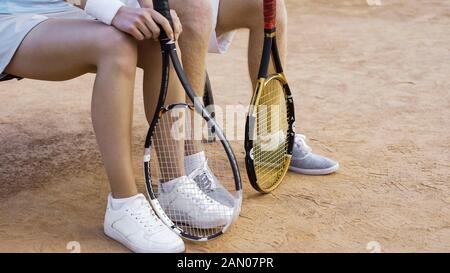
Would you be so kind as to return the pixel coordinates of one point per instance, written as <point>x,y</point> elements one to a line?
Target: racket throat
<point>270,33</point>
<point>265,58</point>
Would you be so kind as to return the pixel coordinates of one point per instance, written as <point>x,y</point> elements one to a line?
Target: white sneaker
<point>197,168</point>
<point>136,226</point>
<point>185,202</point>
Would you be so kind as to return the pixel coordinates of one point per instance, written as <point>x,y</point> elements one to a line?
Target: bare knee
<point>117,49</point>
<point>196,17</point>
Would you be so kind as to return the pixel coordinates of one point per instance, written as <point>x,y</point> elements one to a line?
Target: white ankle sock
<point>118,203</point>
<point>192,162</point>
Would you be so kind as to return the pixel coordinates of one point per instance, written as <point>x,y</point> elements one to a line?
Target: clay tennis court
<point>372,90</point>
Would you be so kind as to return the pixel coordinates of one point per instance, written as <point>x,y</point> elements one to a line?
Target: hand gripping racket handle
<point>162,6</point>
<point>270,12</point>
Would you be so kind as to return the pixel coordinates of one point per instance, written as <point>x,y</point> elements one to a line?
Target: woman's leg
<point>62,49</point>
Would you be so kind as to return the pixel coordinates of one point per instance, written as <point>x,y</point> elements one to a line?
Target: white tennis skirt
<point>15,27</point>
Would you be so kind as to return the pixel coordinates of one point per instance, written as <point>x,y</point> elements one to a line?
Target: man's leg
<point>196,17</point>
<point>149,59</point>
<point>60,49</point>
<point>235,14</point>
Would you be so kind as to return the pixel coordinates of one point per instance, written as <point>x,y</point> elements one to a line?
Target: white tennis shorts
<point>217,44</point>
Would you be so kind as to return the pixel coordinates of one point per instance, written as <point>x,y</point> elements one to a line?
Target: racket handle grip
<point>162,6</point>
<point>270,12</point>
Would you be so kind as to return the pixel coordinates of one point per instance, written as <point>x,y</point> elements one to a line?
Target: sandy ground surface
<point>372,90</point>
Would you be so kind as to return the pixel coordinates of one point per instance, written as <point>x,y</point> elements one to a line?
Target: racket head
<point>269,133</point>
<point>190,214</point>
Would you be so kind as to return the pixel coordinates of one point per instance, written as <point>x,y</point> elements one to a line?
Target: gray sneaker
<point>210,185</point>
<point>305,162</point>
<point>197,168</point>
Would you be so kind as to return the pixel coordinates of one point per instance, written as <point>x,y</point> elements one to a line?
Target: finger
<point>177,27</point>
<point>142,27</point>
<point>152,26</point>
<point>136,34</point>
<point>164,23</point>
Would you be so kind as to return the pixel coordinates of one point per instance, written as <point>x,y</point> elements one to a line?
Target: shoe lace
<point>146,216</point>
<point>203,177</point>
<point>193,192</point>
<point>300,144</point>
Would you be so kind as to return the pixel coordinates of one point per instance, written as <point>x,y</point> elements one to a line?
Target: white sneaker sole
<point>181,218</point>
<point>117,236</point>
<point>315,172</point>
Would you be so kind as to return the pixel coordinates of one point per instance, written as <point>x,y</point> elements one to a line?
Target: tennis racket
<point>208,101</point>
<point>194,185</point>
<point>269,131</point>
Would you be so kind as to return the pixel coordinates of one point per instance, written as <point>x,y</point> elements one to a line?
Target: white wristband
<point>103,10</point>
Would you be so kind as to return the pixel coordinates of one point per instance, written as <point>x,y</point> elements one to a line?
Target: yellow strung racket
<point>269,130</point>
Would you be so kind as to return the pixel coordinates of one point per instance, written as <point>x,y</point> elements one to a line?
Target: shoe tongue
<point>301,149</point>
<point>298,152</point>
<point>195,161</point>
